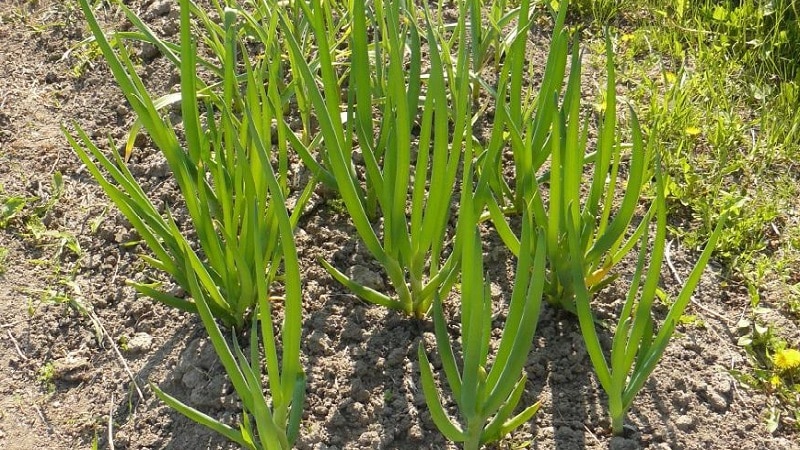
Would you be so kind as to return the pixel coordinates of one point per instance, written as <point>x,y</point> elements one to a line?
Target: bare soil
<point>78,347</point>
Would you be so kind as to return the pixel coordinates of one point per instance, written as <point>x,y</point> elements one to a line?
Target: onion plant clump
<point>384,80</point>
<point>486,396</point>
<point>549,142</point>
<point>637,344</point>
<point>586,235</point>
<point>222,184</point>
<point>236,202</point>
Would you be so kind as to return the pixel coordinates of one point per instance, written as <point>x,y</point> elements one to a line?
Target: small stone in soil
<point>365,277</point>
<point>682,400</point>
<point>160,9</point>
<point>149,52</point>
<point>71,368</point>
<point>685,423</point>
<point>396,356</point>
<point>620,443</point>
<point>717,402</point>
<point>170,28</point>
<point>139,343</point>
<point>369,439</point>
<point>193,377</point>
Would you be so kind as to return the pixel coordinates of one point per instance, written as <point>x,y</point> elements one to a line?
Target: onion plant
<point>236,203</point>
<point>549,142</point>
<point>486,397</point>
<point>271,423</point>
<point>637,345</point>
<point>222,184</point>
<point>385,76</point>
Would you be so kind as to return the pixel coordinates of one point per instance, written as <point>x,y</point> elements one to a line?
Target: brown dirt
<point>66,374</point>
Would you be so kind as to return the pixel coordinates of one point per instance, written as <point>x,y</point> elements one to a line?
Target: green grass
<point>717,91</point>
<point>28,214</point>
<point>3,260</point>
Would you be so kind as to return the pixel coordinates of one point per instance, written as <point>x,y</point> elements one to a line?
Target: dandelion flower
<point>692,131</point>
<point>775,381</point>
<point>786,359</point>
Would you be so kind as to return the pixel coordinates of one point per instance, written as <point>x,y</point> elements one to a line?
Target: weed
<point>599,11</point>
<point>776,369</point>
<point>3,260</point>
<point>724,111</point>
<point>46,376</point>
<point>11,207</point>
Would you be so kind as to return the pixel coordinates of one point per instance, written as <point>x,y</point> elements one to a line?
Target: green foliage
<point>236,203</point>
<point>220,172</point>
<point>3,260</point>
<point>550,131</point>
<point>489,40</point>
<point>776,368</point>
<point>720,111</point>
<point>762,33</point>
<point>29,214</point>
<point>716,152</point>
<point>728,136</point>
<point>637,345</point>
<point>10,207</point>
<point>600,11</point>
<point>412,244</point>
<point>391,134</point>
<point>486,399</point>
<point>47,376</point>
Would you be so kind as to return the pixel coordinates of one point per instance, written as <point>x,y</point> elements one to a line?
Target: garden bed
<point>78,346</point>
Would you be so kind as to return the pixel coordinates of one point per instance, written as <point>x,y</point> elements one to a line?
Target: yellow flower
<point>775,381</point>
<point>692,131</point>
<point>786,359</point>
